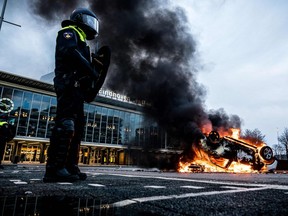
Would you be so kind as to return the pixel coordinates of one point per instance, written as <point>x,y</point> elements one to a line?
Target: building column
<point>89,154</point>
<point>43,147</point>
<point>16,152</point>
<point>108,156</point>
<point>103,156</point>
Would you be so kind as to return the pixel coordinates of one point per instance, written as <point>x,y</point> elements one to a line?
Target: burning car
<point>223,151</point>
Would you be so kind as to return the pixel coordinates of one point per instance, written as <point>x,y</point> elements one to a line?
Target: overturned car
<point>234,150</point>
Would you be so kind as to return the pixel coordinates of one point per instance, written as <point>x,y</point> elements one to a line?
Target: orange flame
<point>203,162</point>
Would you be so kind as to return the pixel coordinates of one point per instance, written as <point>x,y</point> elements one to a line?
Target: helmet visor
<point>91,22</point>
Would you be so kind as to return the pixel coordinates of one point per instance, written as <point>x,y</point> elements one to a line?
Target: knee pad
<point>64,129</point>
<point>68,127</point>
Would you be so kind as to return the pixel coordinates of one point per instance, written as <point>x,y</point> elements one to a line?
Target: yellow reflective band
<point>80,32</point>
<point>2,123</point>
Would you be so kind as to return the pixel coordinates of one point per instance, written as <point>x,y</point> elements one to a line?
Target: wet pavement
<point>136,191</point>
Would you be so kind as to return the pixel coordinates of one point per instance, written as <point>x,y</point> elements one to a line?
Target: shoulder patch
<point>68,35</point>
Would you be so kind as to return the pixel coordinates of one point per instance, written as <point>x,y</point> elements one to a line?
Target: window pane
<point>34,115</point>
<point>23,113</point>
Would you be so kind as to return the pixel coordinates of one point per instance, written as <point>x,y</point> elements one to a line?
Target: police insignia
<point>68,35</point>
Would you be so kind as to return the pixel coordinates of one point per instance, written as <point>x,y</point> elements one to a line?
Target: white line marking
<point>256,187</point>
<point>155,198</point>
<point>154,186</point>
<point>64,183</point>
<point>281,187</point>
<point>218,192</point>
<point>35,179</point>
<point>92,173</point>
<point>122,203</point>
<point>20,182</point>
<point>210,182</point>
<point>192,187</point>
<point>232,187</point>
<point>96,185</point>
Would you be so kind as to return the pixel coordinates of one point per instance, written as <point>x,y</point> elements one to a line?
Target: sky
<point>242,46</point>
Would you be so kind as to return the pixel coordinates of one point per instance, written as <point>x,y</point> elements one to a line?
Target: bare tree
<point>283,139</point>
<point>279,150</point>
<point>254,136</point>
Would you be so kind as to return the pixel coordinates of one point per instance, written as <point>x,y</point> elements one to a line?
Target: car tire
<point>214,137</point>
<point>267,154</point>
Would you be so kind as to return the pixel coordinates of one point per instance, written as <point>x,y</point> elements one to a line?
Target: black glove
<point>101,62</point>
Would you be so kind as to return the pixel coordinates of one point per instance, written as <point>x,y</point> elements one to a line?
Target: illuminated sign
<point>113,95</point>
<point>120,97</point>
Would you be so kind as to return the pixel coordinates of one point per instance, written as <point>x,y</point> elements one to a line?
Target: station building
<point>116,130</point>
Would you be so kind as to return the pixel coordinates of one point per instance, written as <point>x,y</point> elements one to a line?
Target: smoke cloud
<point>154,59</point>
<point>53,10</point>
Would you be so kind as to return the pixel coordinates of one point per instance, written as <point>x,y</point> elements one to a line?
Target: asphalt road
<point>132,191</point>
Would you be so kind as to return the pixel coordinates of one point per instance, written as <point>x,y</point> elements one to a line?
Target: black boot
<point>73,152</point>
<point>53,174</point>
<point>60,141</point>
<point>74,170</point>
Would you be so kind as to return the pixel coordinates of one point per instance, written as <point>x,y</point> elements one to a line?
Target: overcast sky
<point>242,46</point>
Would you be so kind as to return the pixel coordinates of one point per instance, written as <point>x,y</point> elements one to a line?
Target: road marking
<point>232,187</point>
<point>93,173</point>
<point>187,195</point>
<point>122,203</point>
<point>281,187</point>
<point>20,182</point>
<point>97,185</point>
<point>17,181</point>
<point>210,182</point>
<point>154,186</point>
<point>64,183</point>
<point>192,187</point>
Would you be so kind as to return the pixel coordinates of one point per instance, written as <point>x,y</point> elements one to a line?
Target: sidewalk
<point>99,167</point>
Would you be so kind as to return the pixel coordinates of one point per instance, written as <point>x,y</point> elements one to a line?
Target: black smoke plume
<point>53,10</point>
<point>154,59</point>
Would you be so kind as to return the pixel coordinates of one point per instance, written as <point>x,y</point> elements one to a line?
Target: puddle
<point>53,206</point>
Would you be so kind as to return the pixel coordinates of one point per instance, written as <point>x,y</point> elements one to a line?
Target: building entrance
<point>101,156</point>
<point>30,153</point>
<point>8,153</point>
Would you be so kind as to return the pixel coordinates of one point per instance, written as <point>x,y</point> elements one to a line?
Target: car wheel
<point>267,154</point>
<point>214,137</point>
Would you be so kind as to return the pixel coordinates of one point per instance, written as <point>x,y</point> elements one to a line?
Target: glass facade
<point>34,114</point>
<point>116,132</point>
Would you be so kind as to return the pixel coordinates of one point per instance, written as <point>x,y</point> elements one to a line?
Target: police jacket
<point>72,59</point>
<point>7,131</point>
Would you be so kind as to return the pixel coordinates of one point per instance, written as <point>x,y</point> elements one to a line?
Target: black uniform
<point>7,133</point>
<point>77,79</point>
<point>73,69</point>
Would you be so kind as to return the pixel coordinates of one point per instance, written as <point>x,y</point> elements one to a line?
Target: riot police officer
<point>78,79</point>
<point>7,133</point>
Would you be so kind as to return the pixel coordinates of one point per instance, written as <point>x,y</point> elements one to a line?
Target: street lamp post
<point>2,16</point>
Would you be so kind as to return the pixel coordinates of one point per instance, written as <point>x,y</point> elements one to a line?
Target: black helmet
<point>86,20</point>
